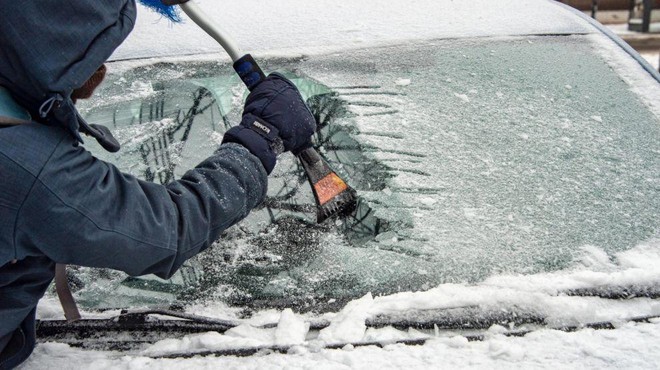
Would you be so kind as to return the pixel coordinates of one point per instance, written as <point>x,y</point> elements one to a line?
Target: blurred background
<point>636,21</point>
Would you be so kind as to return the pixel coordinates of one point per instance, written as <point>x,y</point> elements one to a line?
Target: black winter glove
<point>275,119</point>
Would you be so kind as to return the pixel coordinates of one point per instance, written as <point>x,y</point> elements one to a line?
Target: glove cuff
<point>265,130</point>
<point>255,143</point>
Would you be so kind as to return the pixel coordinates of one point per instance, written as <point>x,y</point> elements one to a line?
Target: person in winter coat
<point>60,204</point>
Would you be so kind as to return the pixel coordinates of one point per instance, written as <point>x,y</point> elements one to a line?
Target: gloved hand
<point>275,119</point>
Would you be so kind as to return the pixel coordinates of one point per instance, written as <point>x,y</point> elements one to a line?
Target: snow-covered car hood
<point>303,27</point>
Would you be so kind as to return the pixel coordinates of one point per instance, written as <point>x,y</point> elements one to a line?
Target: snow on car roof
<point>298,26</point>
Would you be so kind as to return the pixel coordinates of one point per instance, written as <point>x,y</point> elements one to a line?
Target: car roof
<point>295,27</point>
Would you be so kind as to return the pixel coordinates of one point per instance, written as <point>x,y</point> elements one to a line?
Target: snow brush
<point>333,196</point>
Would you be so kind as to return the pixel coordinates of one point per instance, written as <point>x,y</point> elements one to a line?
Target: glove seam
<point>278,93</point>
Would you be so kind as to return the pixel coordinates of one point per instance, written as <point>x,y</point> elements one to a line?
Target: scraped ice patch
<point>596,259</point>
<point>220,310</point>
<point>463,97</point>
<point>349,324</point>
<point>291,329</point>
<point>49,308</point>
<point>470,213</point>
<point>402,82</point>
<point>247,331</point>
<point>500,348</point>
<point>137,91</point>
<point>457,341</point>
<point>138,134</point>
<point>640,260</point>
<point>202,342</point>
<point>388,334</point>
<point>427,201</point>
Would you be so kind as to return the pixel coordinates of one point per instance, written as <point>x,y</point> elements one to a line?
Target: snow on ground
<point>630,345</point>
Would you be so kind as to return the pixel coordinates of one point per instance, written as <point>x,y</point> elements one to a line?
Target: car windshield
<point>471,158</point>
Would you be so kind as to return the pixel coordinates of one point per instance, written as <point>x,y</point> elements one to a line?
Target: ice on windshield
<point>471,158</point>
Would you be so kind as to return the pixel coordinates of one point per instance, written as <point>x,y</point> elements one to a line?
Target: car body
<point>506,155</point>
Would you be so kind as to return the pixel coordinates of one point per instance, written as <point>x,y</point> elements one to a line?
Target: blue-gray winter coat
<point>60,204</point>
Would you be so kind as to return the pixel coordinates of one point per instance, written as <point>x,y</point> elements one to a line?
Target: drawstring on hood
<point>57,110</point>
<point>46,107</point>
<point>50,50</point>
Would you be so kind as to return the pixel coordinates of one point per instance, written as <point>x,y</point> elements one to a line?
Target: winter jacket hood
<point>49,48</point>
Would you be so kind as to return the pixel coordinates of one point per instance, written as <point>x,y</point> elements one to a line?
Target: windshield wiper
<point>617,292</point>
<point>133,329</point>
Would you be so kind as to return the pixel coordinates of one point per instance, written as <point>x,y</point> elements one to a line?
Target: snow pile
<point>240,336</point>
<point>547,293</point>
<point>630,346</point>
<point>291,329</point>
<point>349,324</point>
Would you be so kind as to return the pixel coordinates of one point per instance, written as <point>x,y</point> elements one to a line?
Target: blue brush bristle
<point>171,12</point>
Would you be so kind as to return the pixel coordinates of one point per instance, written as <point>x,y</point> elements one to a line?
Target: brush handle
<point>244,64</point>
<point>211,28</point>
<point>330,198</point>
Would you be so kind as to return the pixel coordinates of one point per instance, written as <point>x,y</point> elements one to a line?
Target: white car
<point>506,156</point>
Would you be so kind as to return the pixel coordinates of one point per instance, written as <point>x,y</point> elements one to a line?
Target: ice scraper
<point>333,196</point>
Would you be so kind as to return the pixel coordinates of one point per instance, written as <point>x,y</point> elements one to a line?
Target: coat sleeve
<point>218,193</point>
<point>84,211</point>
